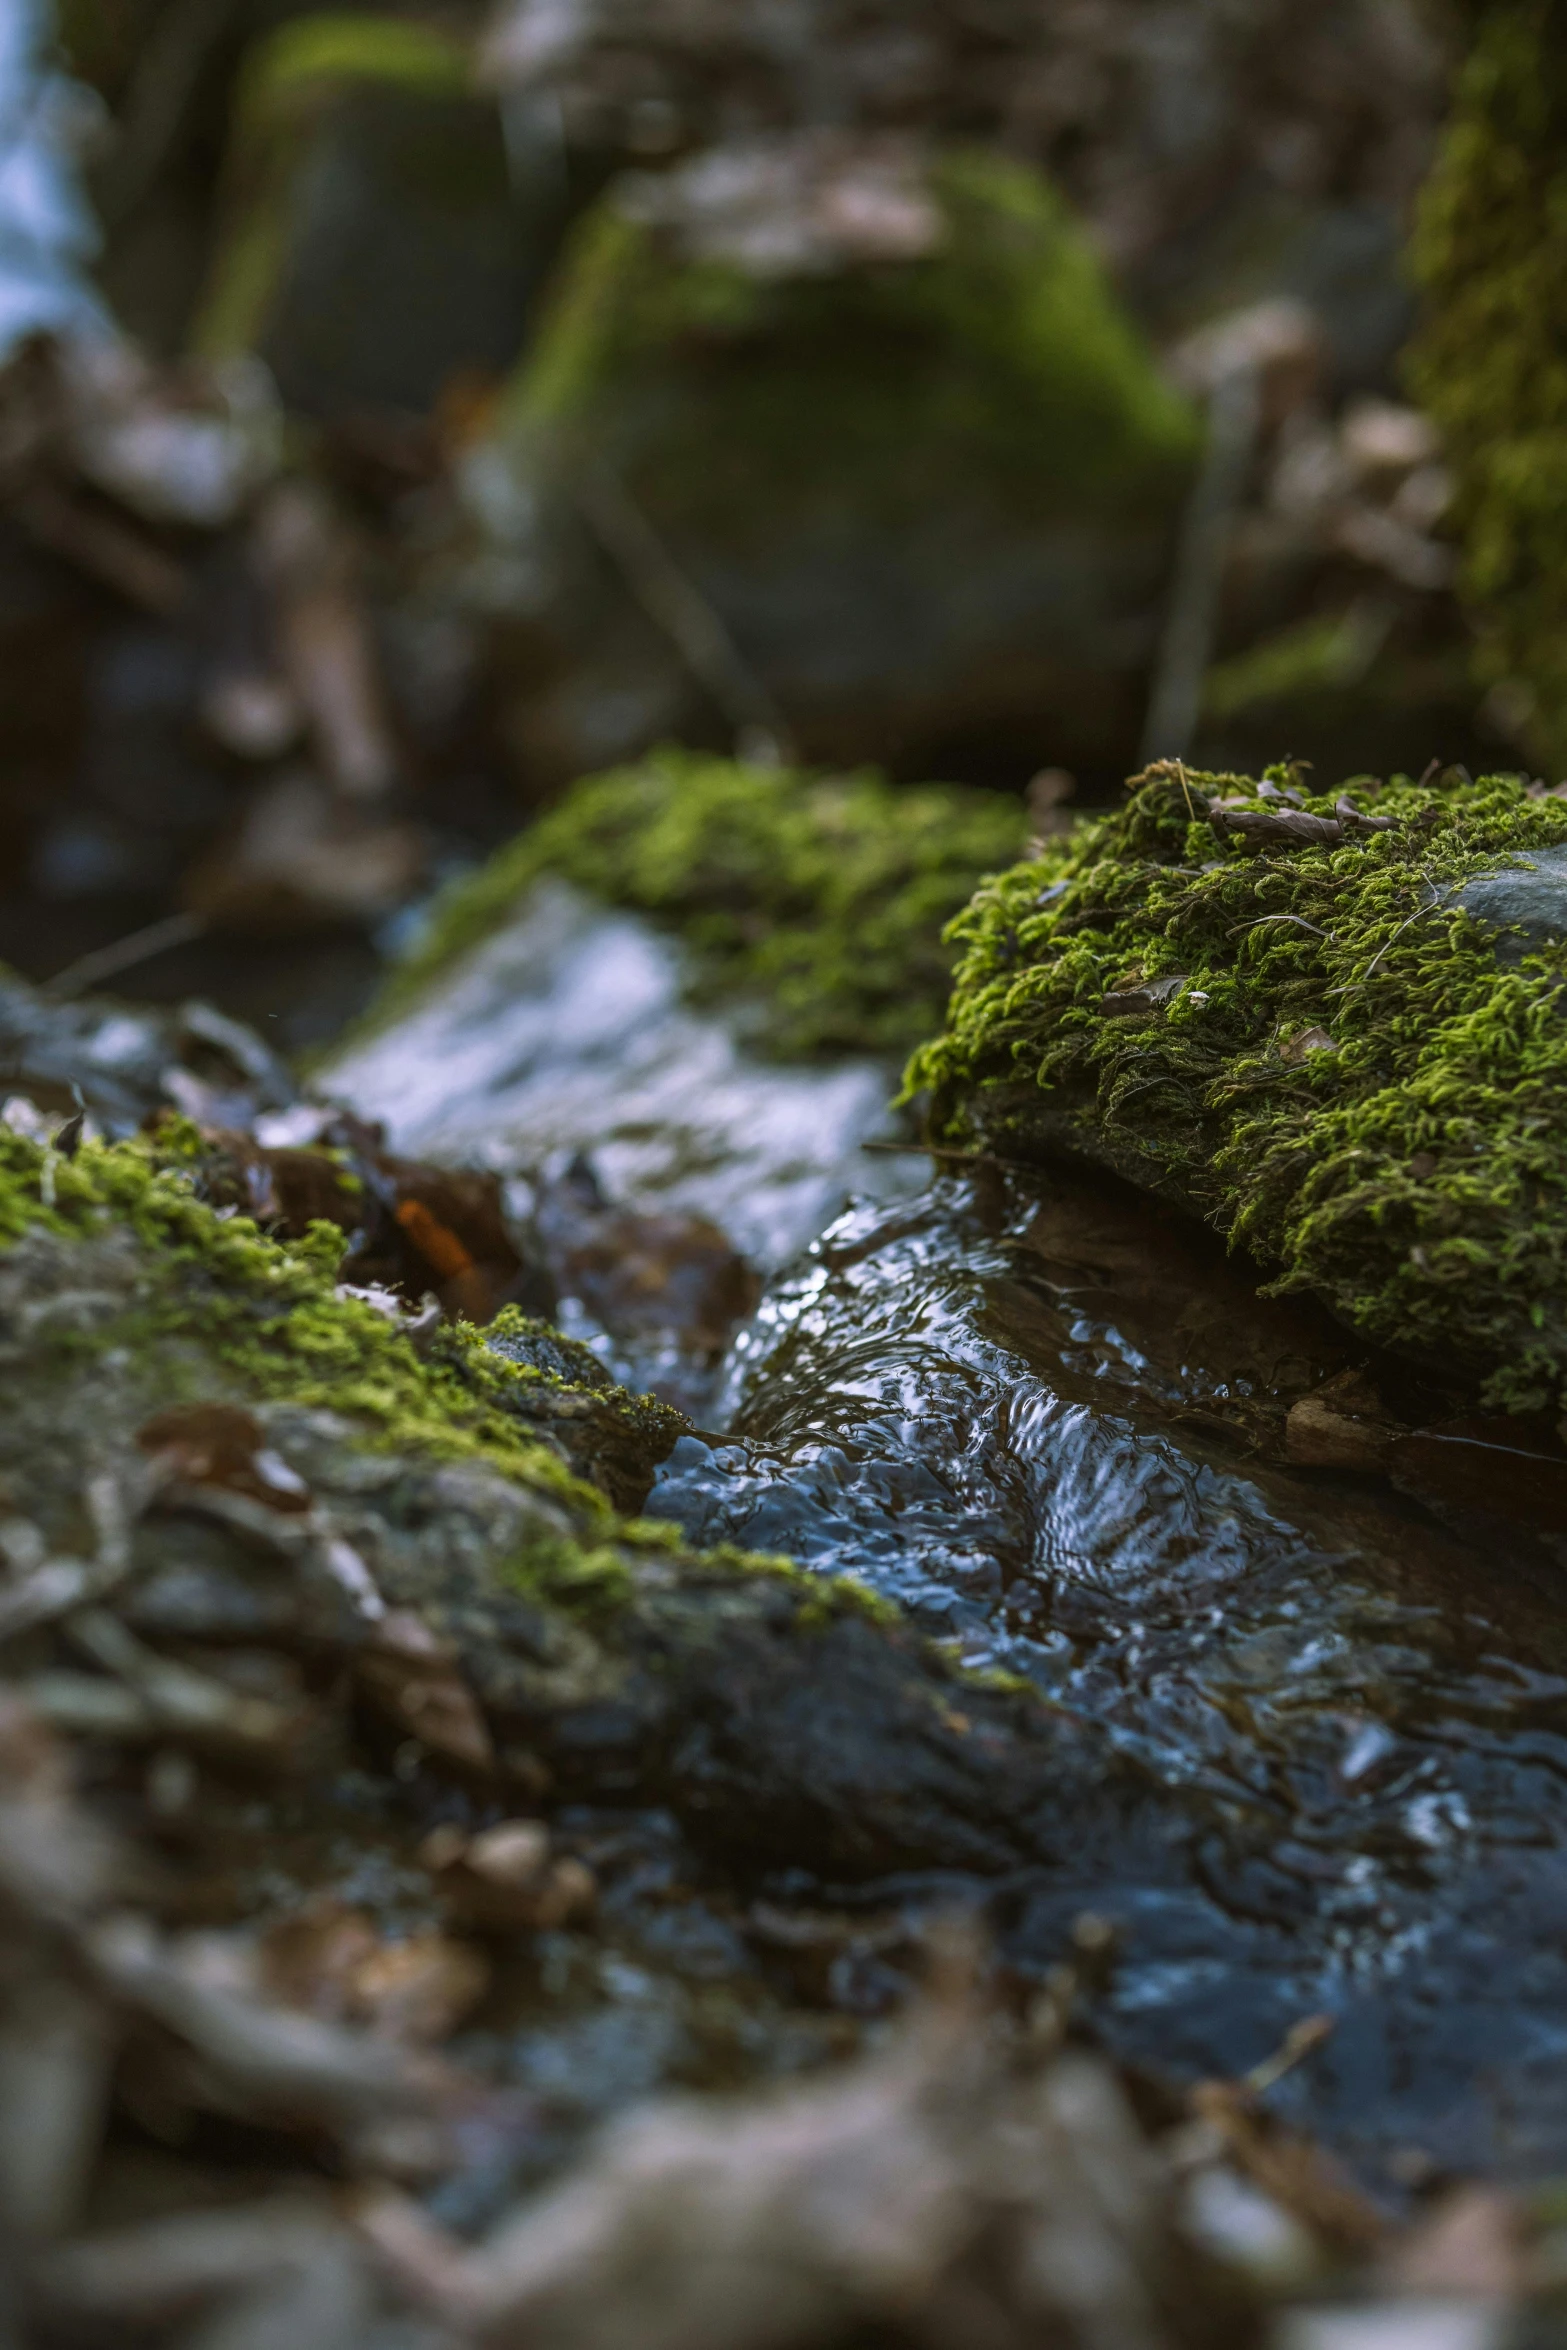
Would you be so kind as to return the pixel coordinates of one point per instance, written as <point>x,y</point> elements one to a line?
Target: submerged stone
<point>911,453</point>
<point>1345,1072</point>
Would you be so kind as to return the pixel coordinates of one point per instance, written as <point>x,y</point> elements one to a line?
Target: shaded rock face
<point>377,246</point>
<point>927,489</point>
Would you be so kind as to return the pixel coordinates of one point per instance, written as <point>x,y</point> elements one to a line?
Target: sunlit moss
<point>1414,1173</point>
<point>206,1307</point>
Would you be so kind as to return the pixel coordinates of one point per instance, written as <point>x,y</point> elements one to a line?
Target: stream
<point>1047,1418</point>
<point>1041,1416</point>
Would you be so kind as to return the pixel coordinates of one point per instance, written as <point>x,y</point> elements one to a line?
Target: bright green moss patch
<point>818,902</point>
<point>1338,1072</point>
<point>1490,362</point>
<point>215,1296</point>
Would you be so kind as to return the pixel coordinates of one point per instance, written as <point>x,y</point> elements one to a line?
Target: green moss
<point>819,900</point>
<point>1415,1175</point>
<point>1490,362</point>
<point>286,80</point>
<point>216,1308</point>
<point>217,1297</point>
<point>1003,359</point>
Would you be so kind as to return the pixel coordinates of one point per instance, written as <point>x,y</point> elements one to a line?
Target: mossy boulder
<point>207,1446</point>
<point>931,498</point>
<point>1490,360</point>
<point>1332,1028</point>
<point>374,243</point>
<point>813,904</point>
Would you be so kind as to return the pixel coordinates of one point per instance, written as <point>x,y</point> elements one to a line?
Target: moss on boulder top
<point>816,901</point>
<point>1004,347</point>
<point>192,1302</point>
<point>1490,361</point>
<point>930,495</point>
<point>1338,1037</point>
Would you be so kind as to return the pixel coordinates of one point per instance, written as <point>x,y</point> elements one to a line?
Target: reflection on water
<point>1050,1422</point>
<point>566,1032</point>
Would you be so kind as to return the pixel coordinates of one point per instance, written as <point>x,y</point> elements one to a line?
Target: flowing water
<point>1049,1421</point>
<point>1048,1418</point>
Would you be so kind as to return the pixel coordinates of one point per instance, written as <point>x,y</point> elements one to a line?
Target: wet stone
<point>1525,902</point>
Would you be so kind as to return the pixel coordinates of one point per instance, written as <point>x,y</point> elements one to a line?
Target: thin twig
<point>677,606</point>
<point>175,930</point>
<point>1298,919</point>
<point>1186,646</point>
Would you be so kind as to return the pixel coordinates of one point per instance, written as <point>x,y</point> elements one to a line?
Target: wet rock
<point>126,1064</point>
<point>566,1031</point>
<point>925,498</point>
<point>1050,1424</point>
<point>375,246</point>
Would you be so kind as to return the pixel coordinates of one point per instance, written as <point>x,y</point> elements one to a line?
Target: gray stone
<point>1525,901</point>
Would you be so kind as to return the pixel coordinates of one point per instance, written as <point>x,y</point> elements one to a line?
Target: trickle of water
<point>1049,1420</point>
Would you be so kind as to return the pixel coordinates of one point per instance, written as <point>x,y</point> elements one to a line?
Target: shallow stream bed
<point>1049,1419</point>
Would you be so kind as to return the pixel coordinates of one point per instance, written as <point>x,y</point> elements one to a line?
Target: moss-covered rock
<point>205,1446</point>
<point>1295,1021</point>
<point>930,497</point>
<point>1490,362</point>
<point>816,901</point>
<point>373,240</point>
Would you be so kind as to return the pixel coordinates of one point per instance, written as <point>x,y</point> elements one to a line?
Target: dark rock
<point>1525,902</point>
<point>376,246</point>
<point>926,495</point>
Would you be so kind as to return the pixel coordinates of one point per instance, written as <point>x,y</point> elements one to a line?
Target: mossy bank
<point>815,904</point>
<point>1280,1013</point>
<point>205,1446</point>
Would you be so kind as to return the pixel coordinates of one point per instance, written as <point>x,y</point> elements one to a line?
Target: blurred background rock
<point>451,402</point>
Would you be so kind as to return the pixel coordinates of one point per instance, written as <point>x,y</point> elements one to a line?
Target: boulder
<point>410,1520</point>
<point>376,245</point>
<point>818,435</point>
<point>1328,1025</point>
